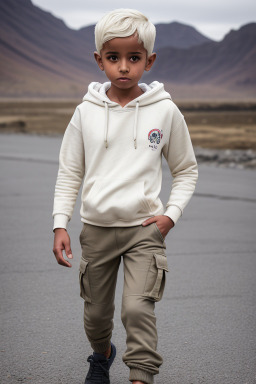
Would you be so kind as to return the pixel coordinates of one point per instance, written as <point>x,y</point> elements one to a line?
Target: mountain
<point>39,54</point>
<point>41,57</point>
<point>178,35</point>
<point>231,62</point>
<point>173,34</point>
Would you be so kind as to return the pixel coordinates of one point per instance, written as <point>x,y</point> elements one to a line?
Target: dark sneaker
<point>99,367</point>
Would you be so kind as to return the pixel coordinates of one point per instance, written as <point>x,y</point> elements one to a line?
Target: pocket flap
<point>161,261</point>
<point>83,265</point>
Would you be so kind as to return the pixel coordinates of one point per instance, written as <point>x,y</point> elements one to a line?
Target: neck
<point>123,96</point>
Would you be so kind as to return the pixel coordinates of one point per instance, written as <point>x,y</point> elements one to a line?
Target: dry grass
<point>233,129</point>
<point>211,125</point>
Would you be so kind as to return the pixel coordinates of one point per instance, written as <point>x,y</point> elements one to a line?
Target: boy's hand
<point>163,222</point>
<point>62,242</point>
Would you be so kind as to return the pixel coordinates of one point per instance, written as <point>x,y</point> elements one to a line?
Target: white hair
<point>123,23</point>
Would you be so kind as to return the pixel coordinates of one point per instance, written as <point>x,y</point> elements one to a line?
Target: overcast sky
<point>212,18</point>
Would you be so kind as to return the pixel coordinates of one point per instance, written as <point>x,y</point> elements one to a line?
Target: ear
<point>99,60</point>
<point>150,61</point>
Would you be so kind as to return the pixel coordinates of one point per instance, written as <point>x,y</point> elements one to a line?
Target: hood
<point>153,93</point>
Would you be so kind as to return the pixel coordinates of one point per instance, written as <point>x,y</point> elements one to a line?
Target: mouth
<point>123,79</point>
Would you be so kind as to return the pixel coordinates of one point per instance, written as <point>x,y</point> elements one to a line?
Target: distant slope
<point>178,35</point>
<point>38,50</point>
<point>40,56</point>
<point>173,34</point>
<point>231,62</point>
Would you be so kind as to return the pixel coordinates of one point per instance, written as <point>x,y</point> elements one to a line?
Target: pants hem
<point>141,375</point>
<point>100,347</point>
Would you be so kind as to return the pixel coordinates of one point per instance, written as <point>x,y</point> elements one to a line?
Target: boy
<point>115,141</point>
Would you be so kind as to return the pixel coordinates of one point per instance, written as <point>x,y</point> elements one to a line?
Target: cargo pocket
<point>85,291</point>
<point>155,280</point>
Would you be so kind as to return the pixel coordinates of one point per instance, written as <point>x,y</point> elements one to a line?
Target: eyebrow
<point>130,53</point>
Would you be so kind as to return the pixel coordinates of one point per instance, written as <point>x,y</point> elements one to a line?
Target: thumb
<point>68,251</point>
<point>149,221</point>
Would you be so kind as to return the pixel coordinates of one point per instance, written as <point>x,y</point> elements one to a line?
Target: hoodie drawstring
<point>134,126</point>
<point>106,125</point>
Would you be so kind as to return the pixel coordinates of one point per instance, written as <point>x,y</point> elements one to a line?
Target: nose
<point>124,68</point>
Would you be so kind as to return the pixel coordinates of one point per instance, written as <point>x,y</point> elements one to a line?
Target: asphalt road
<point>206,320</point>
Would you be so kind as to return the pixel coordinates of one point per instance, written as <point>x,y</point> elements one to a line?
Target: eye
<point>134,59</point>
<point>112,58</point>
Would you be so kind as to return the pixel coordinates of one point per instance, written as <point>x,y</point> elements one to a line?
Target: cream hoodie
<point>118,152</point>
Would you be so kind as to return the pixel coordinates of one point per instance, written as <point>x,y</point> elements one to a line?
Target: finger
<point>149,221</point>
<point>60,259</point>
<point>68,248</point>
<point>68,252</point>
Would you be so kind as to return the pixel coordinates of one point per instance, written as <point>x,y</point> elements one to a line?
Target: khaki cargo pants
<point>145,264</point>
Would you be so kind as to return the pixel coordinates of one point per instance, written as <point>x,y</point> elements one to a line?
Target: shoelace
<point>96,368</point>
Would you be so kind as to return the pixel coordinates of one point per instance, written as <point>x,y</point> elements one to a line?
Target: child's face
<point>124,60</point>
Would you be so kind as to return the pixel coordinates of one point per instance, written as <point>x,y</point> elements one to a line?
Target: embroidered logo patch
<point>154,136</point>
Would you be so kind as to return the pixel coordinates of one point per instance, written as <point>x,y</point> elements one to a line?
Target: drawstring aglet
<point>106,143</point>
<point>135,143</point>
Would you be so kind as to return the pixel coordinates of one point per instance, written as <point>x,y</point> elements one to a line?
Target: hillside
<point>39,54</point>
<point>41,57</point>
<point>231,61</point>
<point>178,35</point>
<point>173,34</point>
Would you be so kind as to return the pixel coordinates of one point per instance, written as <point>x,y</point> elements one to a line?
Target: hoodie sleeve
<point>70,174</point>
<point>181,160</point>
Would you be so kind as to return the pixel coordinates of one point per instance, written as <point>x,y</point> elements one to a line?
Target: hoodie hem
<point>120,223</point>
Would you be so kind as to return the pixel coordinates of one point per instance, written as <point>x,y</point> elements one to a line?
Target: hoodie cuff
<point>174,213</point>
<point>60,221</point>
